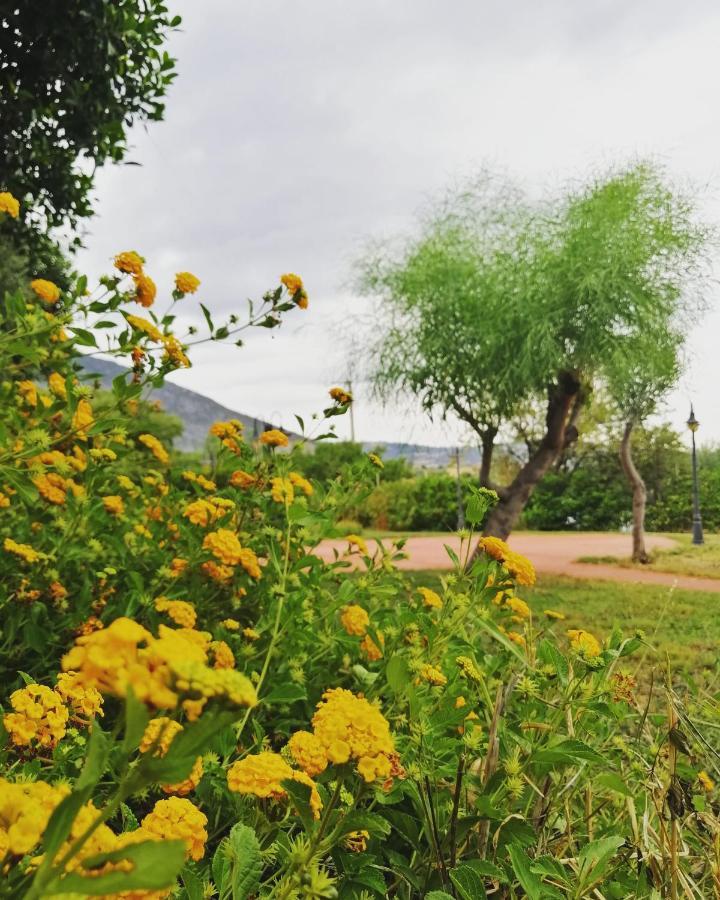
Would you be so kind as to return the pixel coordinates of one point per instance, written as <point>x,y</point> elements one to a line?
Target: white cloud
<point>297,130</point>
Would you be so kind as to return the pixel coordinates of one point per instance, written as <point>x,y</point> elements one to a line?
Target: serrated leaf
<point>568,752</point>
<point>468,882</point>
<point>529,881</point>
<point>242,851</point>
<point>549,654</point>
<point>155,865</point>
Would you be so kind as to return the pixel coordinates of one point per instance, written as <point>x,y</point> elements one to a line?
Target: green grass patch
<point>681,625</point>
<point>685,559</point>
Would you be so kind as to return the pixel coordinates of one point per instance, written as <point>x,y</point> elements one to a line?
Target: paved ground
<point>552,554</point>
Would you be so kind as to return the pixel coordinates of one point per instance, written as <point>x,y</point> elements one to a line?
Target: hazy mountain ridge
<point>198,413</point>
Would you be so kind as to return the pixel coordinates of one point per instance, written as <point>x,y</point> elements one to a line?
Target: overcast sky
<point>297,130</point>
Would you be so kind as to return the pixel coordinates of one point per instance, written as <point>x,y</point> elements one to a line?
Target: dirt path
<point>551,554</point>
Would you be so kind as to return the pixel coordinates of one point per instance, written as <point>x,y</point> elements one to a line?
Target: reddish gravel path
<point>551,554</point>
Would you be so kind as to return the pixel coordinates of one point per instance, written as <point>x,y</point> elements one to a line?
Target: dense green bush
<point>590,493</point>
<point>424,503</point>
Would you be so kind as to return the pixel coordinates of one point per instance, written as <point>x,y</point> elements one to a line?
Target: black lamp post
<point>697,529</point>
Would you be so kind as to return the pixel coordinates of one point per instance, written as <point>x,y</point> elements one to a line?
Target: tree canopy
<point>500,301</point>
<point>74,77</point>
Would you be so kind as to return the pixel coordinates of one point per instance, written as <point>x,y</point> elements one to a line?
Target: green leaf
<point>529,882</point>
<point>96,760</point>
<point>613,782</point>
<point>242,851</point>
<point>155,865</point>
<point>208,317</point>
<point>136,719</point>
<point>595,857</point>
<point>83,337</point>
<point>549,654</point>
<point>438,895</point>
<point>397,673</point>
<point>284,694</point>
<point>468,882</point>
<point>60,823</point>
<point>299,794</point>
<point>193,884</point>
<point>186,747</point>
<point>568,752</point>
<point>374,824</point>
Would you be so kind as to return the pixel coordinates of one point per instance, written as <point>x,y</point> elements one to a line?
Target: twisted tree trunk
<point>639,496</point>
<point>565,399</point>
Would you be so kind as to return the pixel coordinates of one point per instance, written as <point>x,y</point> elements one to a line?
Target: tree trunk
<point>487,442</point>
<point>639,496</point>
<point>565,399</point>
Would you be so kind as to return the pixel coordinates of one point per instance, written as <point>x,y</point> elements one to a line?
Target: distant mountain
<point>196,411</point>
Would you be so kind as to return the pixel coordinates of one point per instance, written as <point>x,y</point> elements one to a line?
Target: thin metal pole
<point>458,485</point>
<point>697,529</point>
<point>352,413</point>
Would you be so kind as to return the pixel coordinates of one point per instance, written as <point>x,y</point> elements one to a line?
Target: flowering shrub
<point>196,705</point>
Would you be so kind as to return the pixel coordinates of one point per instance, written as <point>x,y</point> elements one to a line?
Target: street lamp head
<point>692,422</point>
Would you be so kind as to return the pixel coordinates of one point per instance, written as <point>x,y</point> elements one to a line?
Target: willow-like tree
<point>639,376</point>
<point>498,302</point>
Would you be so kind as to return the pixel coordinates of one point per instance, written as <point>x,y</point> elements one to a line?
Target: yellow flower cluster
<point>9,204</point>
<point>340,396</point>
<point>281,490</point>
<point>354,540</point>
<point>302,484</point>
<point>231,430</point>
<point>294,285</point>
<point>159,670</point>
<point>520,568</point>
<point>159,735</point>
<point>47,291</point>
<point>180,611</point>
<point>82,418</point>
<point>307,751</point>
<point>155,446</point>
<point>83,700</point>
<point>145,326</point>
<point>114,504</point>
<point>56,385</point>
<point>54,488</point>
<point>145,289</point>
<point>355,619</point>
<point>177,819</point>
<point>231,624</point>
<point>25,808</point>
<point>274,438</point>
<point>129,262</point>
<point>186,282</point>
<point>39,717</point>
<point>222,655</point>
<point>262,775</point>
<point>584,643</point>
<point>430,598</point>
<point>224,545</point>
<point>432,675</point>
<point>241,479</point>
<point>348,727</point>
<point>204,511</point>
<point>469,669</point>
<point>200,479</point>
<point>370,649</point>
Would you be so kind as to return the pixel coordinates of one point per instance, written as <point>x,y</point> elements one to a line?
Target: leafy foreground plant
<point>198,706</point>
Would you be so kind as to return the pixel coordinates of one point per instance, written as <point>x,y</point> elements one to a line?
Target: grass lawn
<point>685,559</point>
<point>685,625</point>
